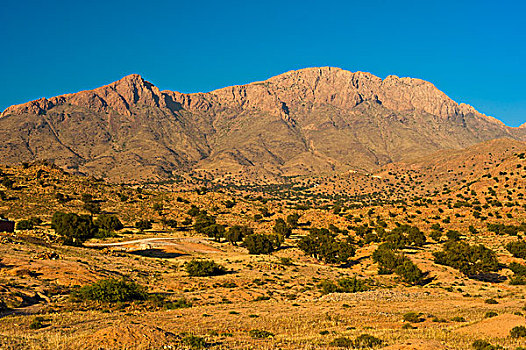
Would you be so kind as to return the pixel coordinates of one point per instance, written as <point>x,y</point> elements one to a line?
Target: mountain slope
<point>314,120</point>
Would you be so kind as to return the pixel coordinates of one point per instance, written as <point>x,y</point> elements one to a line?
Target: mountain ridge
<point>300,122</point>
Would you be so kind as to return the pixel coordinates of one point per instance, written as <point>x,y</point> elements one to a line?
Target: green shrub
<point>258,334</point>
<point>237,233</point>
<point>73,229</point>
<point>110,290</point>
<point>413,317</point>
<point>343,285</point>
<point>261,244</point>
<point>484,345</point>
<point>178,304</point>
<point>37,323</point>
<point>281,228</point>
<point>203,268</point>
<point>518,332</point>
<point>143,225</point>
<point>323,245</point>
<point>491,301</point>
<point>109,222</point>
<point>24,225</point>
<point>490,314</point>
<point>517,249</point>
<point>342,342</point>
<point>471,260</point>
<point>367,341</point>
<point>194,342</point>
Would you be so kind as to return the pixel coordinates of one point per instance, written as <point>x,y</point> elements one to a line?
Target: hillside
<point>288,298</point>
<point>305,122</point>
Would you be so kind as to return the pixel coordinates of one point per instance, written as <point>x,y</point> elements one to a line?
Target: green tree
<point>323,245</point>
<point>73,229</point>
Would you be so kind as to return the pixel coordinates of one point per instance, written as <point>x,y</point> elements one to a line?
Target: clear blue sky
<point>474,51</point>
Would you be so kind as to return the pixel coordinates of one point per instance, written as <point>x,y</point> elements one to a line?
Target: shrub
<point>343,285</point>
<point>281,228</point>
<point>491,301</point>
<point>110,290</point>
<point>413,317</point>
<point>258,334</point>
<point>143,225</point>
<point>490,314</point>
<point>194,342</point>
<point>109,222</point>
<point>471,260</point>
<point>323,245</point>
<point>178,304</point>
<point>73,229</point>
<point>389,261</point>
<point>37,323</point>
<point>24,225</point>
<point>518,269</point>
<point>214,231</point>
<point>237,233</point>
<point>203,268</point>
<point>518,332</point>
<point>484,345</point>
<point>342,342</point>
<point>367,341</point>
<point>292,220</point>
<point>517,249</point>
<point>260,243</point>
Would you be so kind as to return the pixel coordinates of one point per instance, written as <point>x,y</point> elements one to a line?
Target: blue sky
<point>474,51</point>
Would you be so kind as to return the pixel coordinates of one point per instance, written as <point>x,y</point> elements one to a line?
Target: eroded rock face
<point>300,122</point>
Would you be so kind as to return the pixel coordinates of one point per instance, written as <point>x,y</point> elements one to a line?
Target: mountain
<point>310,121</point>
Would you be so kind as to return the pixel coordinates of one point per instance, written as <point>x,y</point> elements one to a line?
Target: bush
<point>194,342</point>
<point>281,228</point>
<point>389,261</point>
<point>109,222</point>
<point>413,317</point>
<point>342,342</point>
<point>343,285</point>
<point>323,245</point>
<point>518,332</point>
<point>24,225</point>
<point>490,314</point>
<point>261,244</point>
<point>484,345</point>
<point>470,260</point>
<point>143,225</point>
<point>367,341</point>
<point>37,323</point>
<point>73,229</point>
<point>237,233</point>
<point>214,231</point>
<point>110,290</point>
<point>203,268</point>
<point>258,334</point>
<point>517,249</point>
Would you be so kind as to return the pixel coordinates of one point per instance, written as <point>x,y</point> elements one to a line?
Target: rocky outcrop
<point>300,122</point>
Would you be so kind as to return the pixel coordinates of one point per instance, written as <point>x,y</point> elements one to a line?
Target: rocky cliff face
<point>300,122</point>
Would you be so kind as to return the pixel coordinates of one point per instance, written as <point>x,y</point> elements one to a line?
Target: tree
<point>281,228</point>
<point>259,244</point>
<point>292,220</point>
<point>202,221</point>
<point>471,260</point>
<point>73,229</point>
<point>203,268</point>
<point>109,222</point>
<point>323,245</point>
<point>237,233</point>
<point>214,231</point>
<point>143,225</point>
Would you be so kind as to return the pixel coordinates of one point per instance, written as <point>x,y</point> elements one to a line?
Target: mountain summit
<point>309,121</point>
